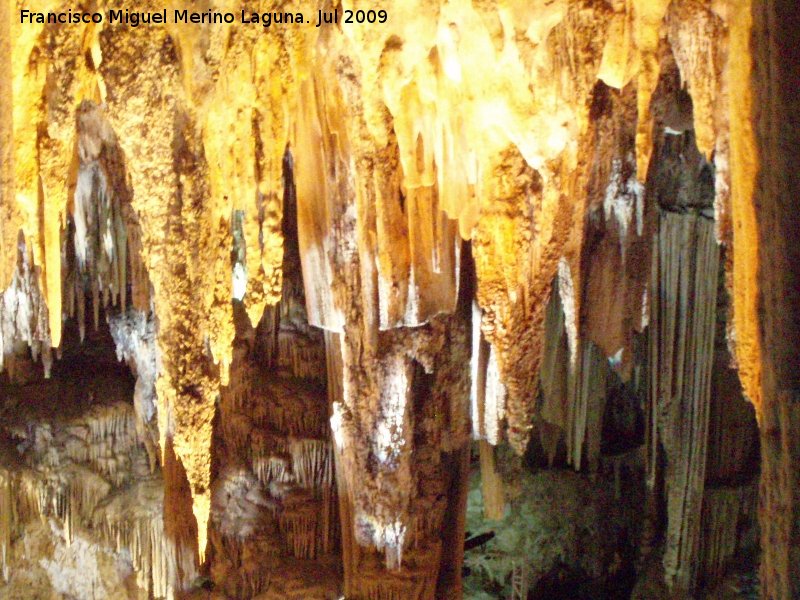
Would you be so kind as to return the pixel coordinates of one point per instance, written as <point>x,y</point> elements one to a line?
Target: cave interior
<point>487,299</point>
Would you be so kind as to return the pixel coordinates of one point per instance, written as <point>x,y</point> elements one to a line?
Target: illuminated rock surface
<point>537,254</point>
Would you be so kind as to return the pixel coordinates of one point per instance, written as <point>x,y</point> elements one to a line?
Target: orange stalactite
<point>744,168</point>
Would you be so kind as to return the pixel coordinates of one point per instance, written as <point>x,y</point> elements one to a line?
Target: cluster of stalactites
<point>681,353</point>
<point>101,252</point>
<point>99,237</point>
<point>133,521</point>
<point>709,45</point>
<point>67,493</point>
<point>573,391</point>
<point>78,475</point>
<point>274,488</point>
<point>104,257</point>
<point>24,316</point>
<point>134,334</point>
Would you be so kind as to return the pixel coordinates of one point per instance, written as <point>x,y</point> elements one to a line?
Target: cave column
<point>776,105</point>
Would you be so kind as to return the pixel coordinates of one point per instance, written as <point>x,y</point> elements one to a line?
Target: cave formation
<point>493,299</point>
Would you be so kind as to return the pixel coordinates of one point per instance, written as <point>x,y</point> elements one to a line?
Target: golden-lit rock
<point>164,153</point>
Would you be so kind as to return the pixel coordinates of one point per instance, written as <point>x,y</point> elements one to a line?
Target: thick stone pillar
<point>776,112</point>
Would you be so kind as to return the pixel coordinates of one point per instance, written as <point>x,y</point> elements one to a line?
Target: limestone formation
<point>287,311</point>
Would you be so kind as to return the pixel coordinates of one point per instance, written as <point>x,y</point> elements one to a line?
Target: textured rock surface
<point>84,515</point>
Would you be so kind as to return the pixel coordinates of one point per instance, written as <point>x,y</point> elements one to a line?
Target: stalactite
<point>288,406</point>
<point>573,394</point>
<point>272,468</point>
<point>683,319</point>
<point>7,499</point>
<point>112,436</point>
<point>311,463</point>
<point>488,394</point>
<point>744,164</point>
<point>494,502</point>
<point>298,357</point>
<point>647,18</point>
<point>299,522</point>
<point>586,405</point>
<point>694,31</point>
